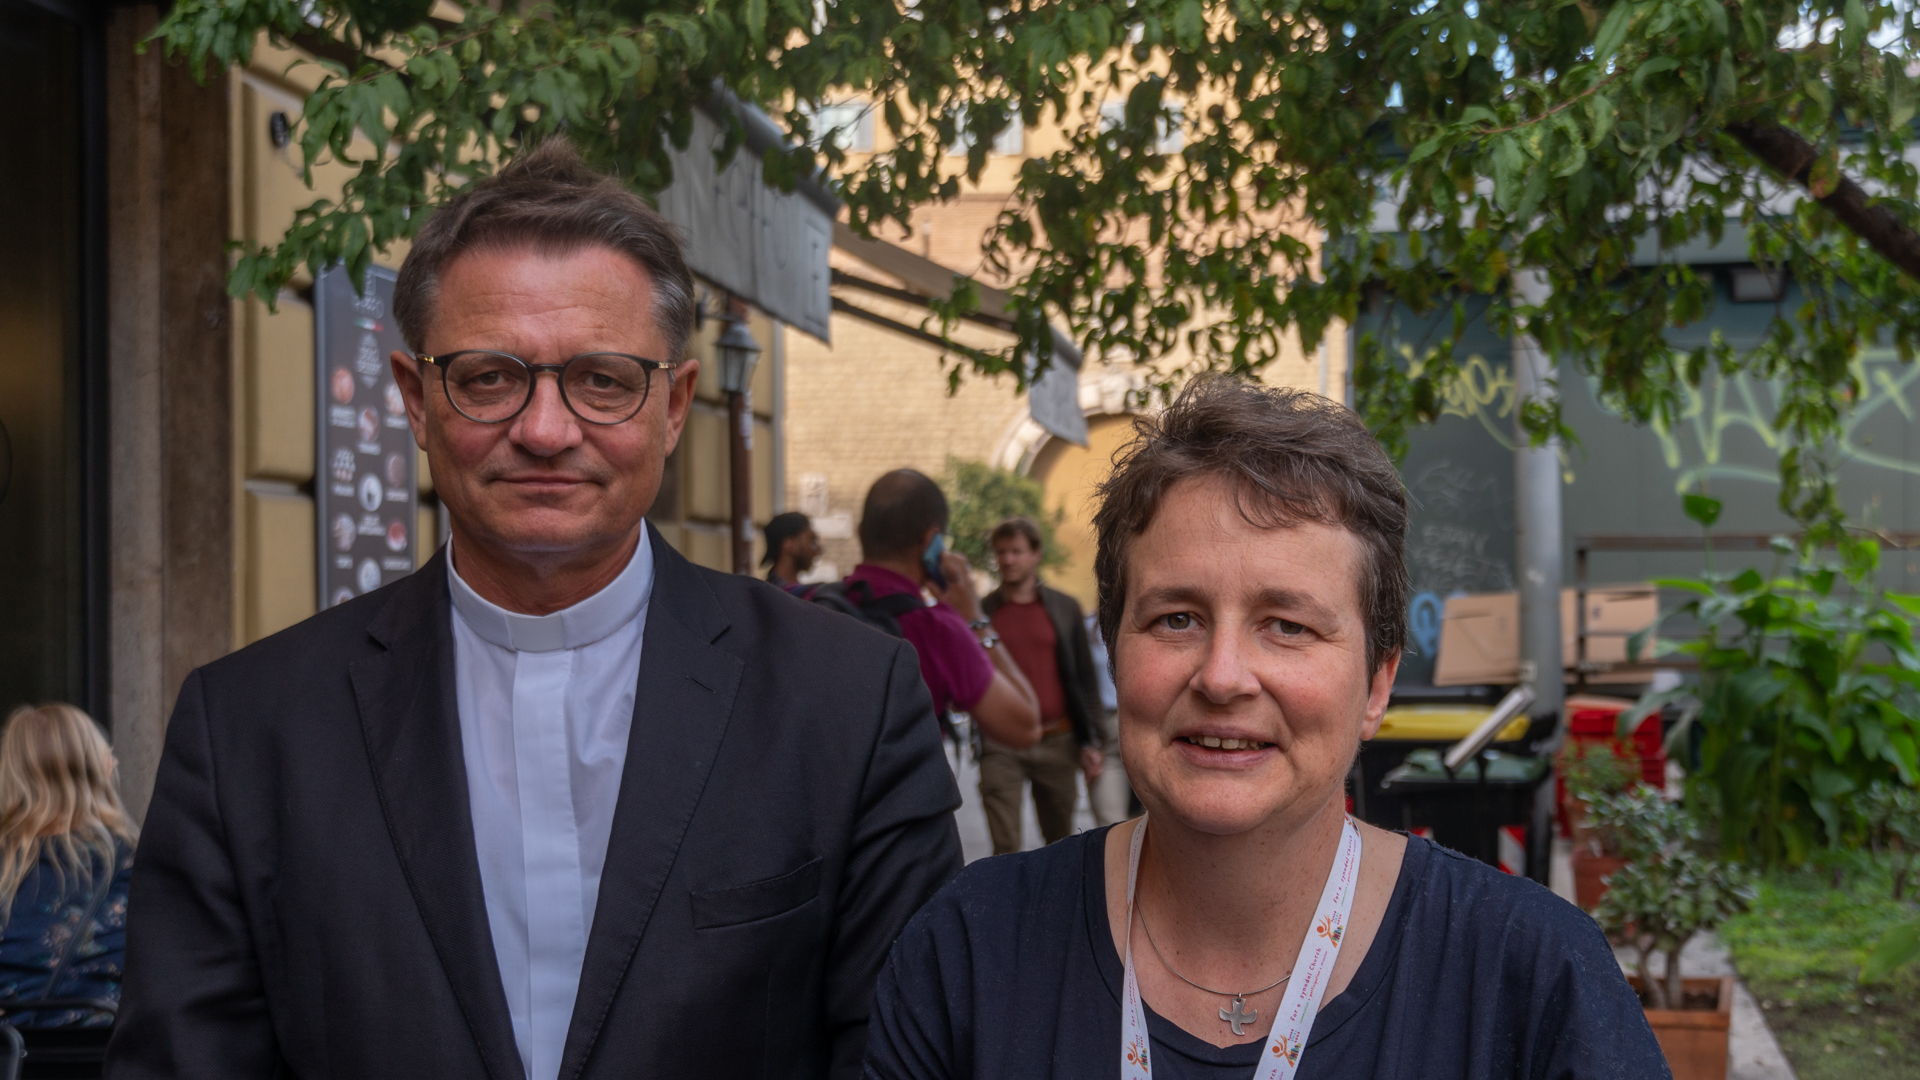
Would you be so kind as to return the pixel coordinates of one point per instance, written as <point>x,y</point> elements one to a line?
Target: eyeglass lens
<point>600,388</point>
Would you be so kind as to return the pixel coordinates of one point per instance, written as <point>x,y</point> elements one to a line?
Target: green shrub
<point>1892,813</point>
<point>1592,769</point>
<point>1806,696</point>
<point>982,497</point>
<point>1670,889</point>
<point>1639,822</point>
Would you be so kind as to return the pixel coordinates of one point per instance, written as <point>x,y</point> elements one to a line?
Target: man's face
<point>804,549</point>
<point>1016,558</point>
<point>1235,632</point>
<point>546,482</point>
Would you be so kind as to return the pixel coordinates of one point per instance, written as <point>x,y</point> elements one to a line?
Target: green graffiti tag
<point>1482,391</point>
<point>1696,446</point>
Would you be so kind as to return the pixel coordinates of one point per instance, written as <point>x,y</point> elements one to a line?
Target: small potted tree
<point>1593,771</point>
<point>1622,826</point>
<point>1589,769</point>
<point>1656,903</point>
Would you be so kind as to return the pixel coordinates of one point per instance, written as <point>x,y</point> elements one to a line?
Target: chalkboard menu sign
<point>365,493</point>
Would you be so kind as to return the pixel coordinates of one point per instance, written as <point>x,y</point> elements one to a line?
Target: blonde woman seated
<point>1252,592</point>
<point>66,853</point>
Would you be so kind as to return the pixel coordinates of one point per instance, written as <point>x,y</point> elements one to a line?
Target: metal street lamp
<point>739,352</point>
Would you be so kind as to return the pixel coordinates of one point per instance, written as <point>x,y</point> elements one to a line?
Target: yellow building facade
<point>876,400</point>
<point>273,379</point>
<point>158,438</point>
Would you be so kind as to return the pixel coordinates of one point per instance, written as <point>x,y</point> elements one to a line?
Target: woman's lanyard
<point>1308,984</point>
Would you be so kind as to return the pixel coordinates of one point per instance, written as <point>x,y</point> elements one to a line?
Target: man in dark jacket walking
<point>1045,631</point>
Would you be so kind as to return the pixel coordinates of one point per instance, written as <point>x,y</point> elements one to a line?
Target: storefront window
<point>42,553</point>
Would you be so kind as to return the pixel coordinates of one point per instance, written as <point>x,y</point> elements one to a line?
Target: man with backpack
<point>965,665</point>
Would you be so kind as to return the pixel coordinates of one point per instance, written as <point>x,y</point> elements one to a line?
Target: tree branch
<point>1787,153</point>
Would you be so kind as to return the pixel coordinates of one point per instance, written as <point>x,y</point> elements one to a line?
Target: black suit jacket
<point>1073,652</point>
<point>306,900</point>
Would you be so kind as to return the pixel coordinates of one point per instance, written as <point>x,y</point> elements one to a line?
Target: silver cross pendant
<point>1240,1016</point>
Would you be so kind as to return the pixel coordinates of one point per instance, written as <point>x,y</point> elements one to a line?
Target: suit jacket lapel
<point>412,729</point>
<point>685,696</point>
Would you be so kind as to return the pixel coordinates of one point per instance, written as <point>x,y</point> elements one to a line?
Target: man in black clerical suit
<point>559,804</point>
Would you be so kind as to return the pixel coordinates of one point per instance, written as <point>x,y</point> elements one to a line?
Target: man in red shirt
<point>1046,632</point>
<point>965,665</point>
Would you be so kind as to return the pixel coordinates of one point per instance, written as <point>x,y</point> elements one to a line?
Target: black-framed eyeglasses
<point>494,387</point>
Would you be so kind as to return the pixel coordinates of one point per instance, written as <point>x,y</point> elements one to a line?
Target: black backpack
<point>883,613</point>
<point>856,599</point>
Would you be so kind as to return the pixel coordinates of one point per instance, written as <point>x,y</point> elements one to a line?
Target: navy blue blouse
<point>48,911</point>
<point>1010,973</point>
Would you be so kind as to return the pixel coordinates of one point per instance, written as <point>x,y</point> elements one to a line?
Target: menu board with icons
<point>366,497</point>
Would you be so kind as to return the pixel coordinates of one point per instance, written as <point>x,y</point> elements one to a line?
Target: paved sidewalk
<point>1752,1051</point>
<point>972,818</point>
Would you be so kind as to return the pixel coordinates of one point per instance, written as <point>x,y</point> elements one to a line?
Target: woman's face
<point>1239,636</point>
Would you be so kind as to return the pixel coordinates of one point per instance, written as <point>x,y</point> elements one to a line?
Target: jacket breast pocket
<point>713,908</point>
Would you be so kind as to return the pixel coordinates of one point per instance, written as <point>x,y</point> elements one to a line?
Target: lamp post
<point>739,352</point>
<point>1537,547</point>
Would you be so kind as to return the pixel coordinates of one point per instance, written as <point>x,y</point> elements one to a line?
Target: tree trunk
<point>1676,991</point>
<point>1656,993</point>
<point>1791,156</point>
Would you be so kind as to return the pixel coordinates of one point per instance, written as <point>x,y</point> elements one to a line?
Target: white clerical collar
<point>619,603</point>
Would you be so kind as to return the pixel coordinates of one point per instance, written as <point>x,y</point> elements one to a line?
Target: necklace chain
<point>1176,972</point>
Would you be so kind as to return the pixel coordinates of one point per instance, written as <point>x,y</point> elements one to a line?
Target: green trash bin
<point>1414,725</point>
<point>1496,808</point>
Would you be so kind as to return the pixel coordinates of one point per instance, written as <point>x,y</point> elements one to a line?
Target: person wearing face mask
<point>1253,592</point>
<point>966,666</point>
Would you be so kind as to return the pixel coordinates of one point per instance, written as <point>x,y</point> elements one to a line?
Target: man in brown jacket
<point>1046,633</point>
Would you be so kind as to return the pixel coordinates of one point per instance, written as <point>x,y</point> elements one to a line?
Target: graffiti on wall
<point>1696,447</point>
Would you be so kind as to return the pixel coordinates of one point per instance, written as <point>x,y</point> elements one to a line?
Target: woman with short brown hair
<point>1253,595</point>
<point>66,854</point>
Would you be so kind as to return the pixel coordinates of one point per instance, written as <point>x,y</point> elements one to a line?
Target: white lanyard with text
<point>1305,987</point>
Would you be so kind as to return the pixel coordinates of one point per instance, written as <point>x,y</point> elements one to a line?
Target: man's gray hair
<point>551,201</point>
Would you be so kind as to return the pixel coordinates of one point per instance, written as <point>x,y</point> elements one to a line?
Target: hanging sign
<point>366,499</point>
<point>1053,400</point>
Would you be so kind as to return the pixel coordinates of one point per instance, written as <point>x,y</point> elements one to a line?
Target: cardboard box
<point>1480,635</point>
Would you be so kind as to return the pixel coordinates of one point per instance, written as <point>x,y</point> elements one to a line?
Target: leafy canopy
<point>981,497</point>
<point>1547,138</point>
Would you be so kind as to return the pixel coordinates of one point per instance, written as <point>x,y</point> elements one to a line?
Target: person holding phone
<point>966,667</point>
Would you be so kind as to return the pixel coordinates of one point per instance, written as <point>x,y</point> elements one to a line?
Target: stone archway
<point>1069,473</point>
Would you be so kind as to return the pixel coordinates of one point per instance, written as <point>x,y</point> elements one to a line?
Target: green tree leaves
<point>1328,153</point>
<point>1702,508</point>
<point>1899,946</point>
<point>981,497</point>
<point>1807,702</point>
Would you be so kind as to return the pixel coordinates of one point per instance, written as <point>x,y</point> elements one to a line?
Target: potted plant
<point>1658,902</point>
<point>1621,826</point>
<point>1590,771</point>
